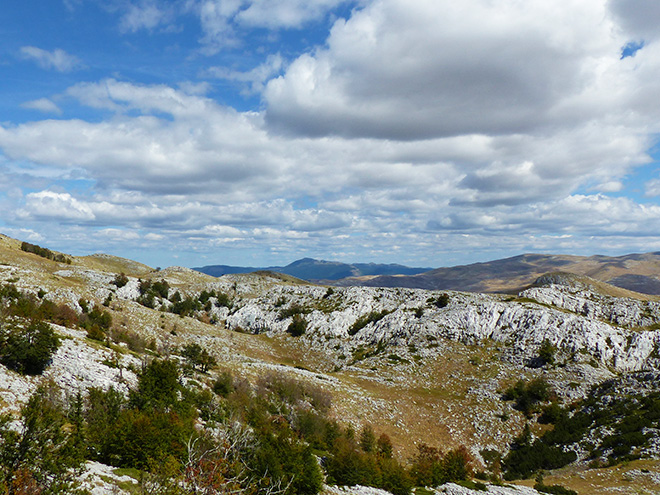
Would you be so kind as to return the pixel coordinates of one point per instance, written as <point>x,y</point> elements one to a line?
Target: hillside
<point>637,272</point>
<point>422,367</point>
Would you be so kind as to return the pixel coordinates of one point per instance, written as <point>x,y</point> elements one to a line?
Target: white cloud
<point>147,14</point>
<point>256,77</point>
<point>63,206</point>
<point>285,13</point>
<point>638,18</point>
<point>43,105</point>
<point>221,20</point>
<point>584,216</point>
<point>652,188</point>
<point>432,126</point>
<point>433,68</point>
<point>57,59</point>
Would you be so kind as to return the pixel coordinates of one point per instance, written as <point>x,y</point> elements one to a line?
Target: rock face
<point>618,332</point>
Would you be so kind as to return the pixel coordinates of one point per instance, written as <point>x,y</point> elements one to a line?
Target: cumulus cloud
<point>652,188</point>
<point>49,204</point>
<point>285,13</point>
<point>638,19</point>
<point>57,59</point>
<point>434,68</point>
<point>576,215</point>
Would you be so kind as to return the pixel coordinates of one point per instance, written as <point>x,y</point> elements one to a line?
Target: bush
<point>529,395</point>
<point>120,280</point>
<point>224,384</point>
<point>197,357</point>
<point>28,350</point>
<point>222,300</point>
<point>441,301</point>
<point>553,489</point>
<point>39,457</point>
<point>184,307</point>
<point>158,385</point>
<point>44,253</point>
<point>547,353</point>
<point>149,291</point>
<point>298,325</point>
<point>293,310</point>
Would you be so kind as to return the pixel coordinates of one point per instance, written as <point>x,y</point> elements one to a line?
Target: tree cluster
<point>44,253</point>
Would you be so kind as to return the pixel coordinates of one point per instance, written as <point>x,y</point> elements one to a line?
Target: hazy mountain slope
<point>639,272</point>
<point>318,270</point>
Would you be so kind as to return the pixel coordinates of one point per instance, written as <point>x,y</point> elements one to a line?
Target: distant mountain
<point>638,272</point>
<point>318,270</point>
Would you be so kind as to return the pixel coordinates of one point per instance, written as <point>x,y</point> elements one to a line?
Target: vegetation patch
<point>44,253</point>
<point>365,320</point>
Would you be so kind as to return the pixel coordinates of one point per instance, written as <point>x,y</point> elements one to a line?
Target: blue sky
<point>255,132</point>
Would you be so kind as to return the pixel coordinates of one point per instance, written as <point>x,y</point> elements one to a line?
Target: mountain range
<point>318,270</point>
<point>637,272</point>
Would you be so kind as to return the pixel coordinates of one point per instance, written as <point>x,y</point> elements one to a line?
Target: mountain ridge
<point>314,270</point>
<point>639,272</point>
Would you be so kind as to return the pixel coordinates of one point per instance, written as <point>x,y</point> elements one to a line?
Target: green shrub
<point>151,291</point>
<point>41,455</point>
<point>224,384</point>
<point>184,307</point>
<point>553,489</point>
<point>197,357</point>
<point>28,350</point>
<point>547,353</point>
<point>293,310</point>
<point>365,320</point>
<point>529,395</point>
<point>223,300</point>
<point>120,280</point>
<point>441,301</point>
<point>158,385</point>
<point>44,253</point>
<point>298,325</point>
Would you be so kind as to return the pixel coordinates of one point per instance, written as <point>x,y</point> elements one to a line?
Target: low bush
<point>120,280</point>
<point>298,325</point>
<point>365,320</point>
<point>528,396</point>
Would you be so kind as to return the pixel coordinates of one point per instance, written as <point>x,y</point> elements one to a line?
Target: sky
<point>257,132</point>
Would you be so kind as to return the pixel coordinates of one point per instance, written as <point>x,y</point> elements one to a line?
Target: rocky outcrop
<point>578,322</point>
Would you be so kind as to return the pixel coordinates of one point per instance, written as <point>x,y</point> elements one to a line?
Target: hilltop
<point>421,367</point>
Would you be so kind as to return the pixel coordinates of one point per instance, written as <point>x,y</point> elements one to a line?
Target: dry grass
<point>635,478</point>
